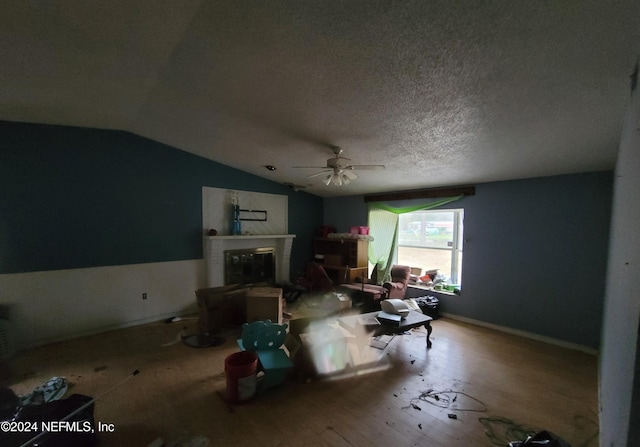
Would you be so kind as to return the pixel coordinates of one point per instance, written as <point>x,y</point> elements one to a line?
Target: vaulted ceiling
<point>440,92</point>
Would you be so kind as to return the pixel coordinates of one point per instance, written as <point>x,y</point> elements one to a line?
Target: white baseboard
<point>531,335</point>
<point>98,330</point>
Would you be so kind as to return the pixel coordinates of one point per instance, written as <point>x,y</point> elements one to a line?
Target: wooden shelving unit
<point>344,259</point>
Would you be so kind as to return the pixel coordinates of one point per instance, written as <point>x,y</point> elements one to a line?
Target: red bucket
<point>240,369</point>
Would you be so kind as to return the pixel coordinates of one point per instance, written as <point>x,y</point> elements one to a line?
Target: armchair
<point>397,287</point>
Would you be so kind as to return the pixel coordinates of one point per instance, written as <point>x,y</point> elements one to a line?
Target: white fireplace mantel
<point>215,246</point>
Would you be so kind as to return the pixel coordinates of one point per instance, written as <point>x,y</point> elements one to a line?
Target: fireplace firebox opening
<point>250,266</point>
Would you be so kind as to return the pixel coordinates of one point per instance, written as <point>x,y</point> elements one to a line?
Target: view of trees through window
<point>432,240</point>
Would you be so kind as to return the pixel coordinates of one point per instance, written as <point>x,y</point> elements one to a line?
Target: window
<point>432,240</point>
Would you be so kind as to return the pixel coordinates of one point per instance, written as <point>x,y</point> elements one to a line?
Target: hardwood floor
<point>500,381</point>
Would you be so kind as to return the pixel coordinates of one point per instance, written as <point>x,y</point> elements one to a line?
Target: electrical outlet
<point>144,296</point>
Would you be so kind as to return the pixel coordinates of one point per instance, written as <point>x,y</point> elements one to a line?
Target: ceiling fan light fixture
<point>332,178</point>
<point>338,169</point>
<point>337,179</point>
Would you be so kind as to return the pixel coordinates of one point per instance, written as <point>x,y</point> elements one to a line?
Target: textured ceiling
<point>441,92</point>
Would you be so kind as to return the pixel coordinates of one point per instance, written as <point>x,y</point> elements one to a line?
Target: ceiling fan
<point>338,170</point>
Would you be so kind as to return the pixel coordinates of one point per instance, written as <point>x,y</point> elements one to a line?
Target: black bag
<point>429,305</point>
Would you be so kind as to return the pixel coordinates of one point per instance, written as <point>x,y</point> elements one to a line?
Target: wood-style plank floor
<point>501,382</point>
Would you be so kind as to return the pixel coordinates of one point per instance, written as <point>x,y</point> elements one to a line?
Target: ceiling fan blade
<point>350,174</point>
<point>367,167</point>
<point>310,167</point>
<point>319,173</point>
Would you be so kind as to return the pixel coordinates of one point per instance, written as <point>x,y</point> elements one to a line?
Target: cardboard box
<point>264,303</point>
<point>221,308</point>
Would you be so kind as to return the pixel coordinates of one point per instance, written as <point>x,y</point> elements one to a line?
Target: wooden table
<point>369,321</point>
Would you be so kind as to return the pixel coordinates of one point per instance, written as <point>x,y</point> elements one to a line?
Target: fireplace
<point>216,247</point>
<point>250,266</point>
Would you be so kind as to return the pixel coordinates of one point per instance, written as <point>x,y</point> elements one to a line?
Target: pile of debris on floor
<point>43,418</point>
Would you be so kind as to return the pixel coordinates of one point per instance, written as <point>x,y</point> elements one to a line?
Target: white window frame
<point>457,241</point>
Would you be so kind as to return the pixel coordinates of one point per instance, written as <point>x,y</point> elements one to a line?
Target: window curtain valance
<point>383,225</point>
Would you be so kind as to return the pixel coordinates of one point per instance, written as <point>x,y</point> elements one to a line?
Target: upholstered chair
<point>397,286</point>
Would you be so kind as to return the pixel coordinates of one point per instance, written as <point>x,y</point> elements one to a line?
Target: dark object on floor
<point>540,439</point>
<point>202,340</point>
<point>429,305</point>
<point>5,372</point>
<point>56,413</point>
<point>8,403</point>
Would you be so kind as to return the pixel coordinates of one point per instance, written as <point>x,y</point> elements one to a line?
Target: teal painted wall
<point>535,253</point>
<point>77,197</point>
